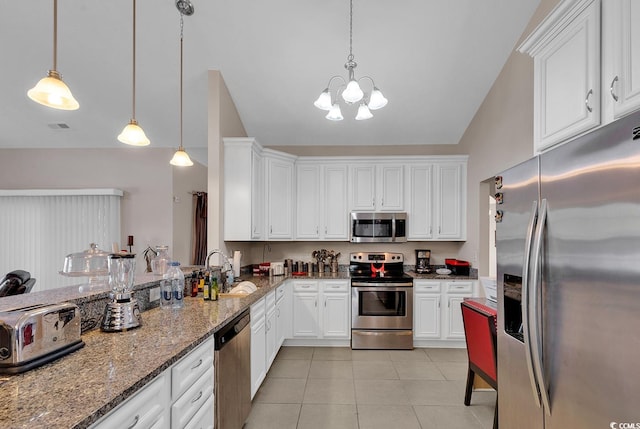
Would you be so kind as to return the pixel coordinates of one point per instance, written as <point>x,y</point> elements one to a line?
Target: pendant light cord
<point>181,55</point>
<point>134,59</point>
<point>55,34</point>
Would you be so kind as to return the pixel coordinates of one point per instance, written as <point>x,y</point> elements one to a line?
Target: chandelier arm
<point>336,77</point>
<point>134,60</point>
<point>351,30</point>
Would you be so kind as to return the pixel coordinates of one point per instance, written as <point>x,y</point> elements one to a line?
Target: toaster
<point>33,336</point>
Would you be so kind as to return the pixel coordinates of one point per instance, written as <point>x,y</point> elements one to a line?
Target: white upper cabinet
<point>586,67</point>
<point>436,195</point>
<point>279,196</point>
<point>566,52</point>
<point>243,190</point>
<point>321,201</point>
<point>377,187</point>
<point>621,46</point>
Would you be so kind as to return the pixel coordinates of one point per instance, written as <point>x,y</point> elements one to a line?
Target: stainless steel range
<point>382,302</point>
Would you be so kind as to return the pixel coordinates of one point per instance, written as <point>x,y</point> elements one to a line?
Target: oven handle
<point>369,287</point>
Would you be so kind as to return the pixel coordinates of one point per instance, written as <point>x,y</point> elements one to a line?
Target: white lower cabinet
<point>321,310</point>
<point>437,314</point>
<point>174,399</point>
<point>258,345</point>
<point>283,313</point>
<point>270,329</point>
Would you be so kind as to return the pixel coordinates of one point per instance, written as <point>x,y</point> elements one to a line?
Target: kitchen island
<point>78,389</point>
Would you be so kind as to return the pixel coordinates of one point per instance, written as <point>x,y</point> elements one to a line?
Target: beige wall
<point>144,174</point>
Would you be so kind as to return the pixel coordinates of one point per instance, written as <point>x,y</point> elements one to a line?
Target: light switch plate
<point>154,294</point>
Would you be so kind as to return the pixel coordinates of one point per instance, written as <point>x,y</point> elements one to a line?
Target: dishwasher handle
<point>231,329</point>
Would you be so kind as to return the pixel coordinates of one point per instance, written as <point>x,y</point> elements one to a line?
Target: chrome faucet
<point>225,268</point>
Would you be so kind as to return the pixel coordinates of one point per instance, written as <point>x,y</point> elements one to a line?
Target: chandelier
<point>352,92</point>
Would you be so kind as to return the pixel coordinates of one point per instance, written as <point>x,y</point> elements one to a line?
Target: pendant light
<point>352,93</point>
<point>133,134</point>
<point>181,158</point>
<point>51,91</point>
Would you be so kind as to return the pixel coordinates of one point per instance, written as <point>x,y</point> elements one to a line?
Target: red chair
<point>480,334</point>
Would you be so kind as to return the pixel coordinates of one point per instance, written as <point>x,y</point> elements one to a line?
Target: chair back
<point>480,334</point>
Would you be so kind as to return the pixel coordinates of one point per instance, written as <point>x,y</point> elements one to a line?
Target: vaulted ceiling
<point>434,60</point>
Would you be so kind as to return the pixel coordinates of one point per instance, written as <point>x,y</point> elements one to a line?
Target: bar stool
<point>480,335</point>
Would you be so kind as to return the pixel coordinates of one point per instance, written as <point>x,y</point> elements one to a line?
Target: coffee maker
<point>423,258</point>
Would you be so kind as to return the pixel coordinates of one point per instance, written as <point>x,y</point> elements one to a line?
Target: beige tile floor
<point>335,388</point>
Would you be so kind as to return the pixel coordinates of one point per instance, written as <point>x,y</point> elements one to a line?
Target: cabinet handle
<point>316,230</point>
<point>325,302</point>
<point>315,303</point>
<point>430,230</point>
<point>613,82</point>
<point>271,229</point>
<point>586,101</point>
<point>198,364</point>
<point>325,230</point>
<point>197,398</point>
<point>135,421</point>
<point>382,202</point>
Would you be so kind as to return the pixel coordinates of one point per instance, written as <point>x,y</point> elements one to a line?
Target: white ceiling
<point>434,60</point>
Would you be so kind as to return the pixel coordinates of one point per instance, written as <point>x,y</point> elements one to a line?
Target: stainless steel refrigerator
<point>568,251</point>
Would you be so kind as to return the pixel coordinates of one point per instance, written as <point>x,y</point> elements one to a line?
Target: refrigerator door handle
<point>535,327</point>
<point>525,302</point>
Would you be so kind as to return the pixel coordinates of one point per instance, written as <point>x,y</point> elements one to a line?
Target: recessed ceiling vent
<point>60,126</point>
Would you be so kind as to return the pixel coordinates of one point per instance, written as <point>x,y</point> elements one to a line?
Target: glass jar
<point>160,262</point>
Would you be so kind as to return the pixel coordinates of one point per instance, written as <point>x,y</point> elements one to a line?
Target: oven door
<point>382,307</point>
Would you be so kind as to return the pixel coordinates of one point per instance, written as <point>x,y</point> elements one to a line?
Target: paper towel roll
<point>237,257</point>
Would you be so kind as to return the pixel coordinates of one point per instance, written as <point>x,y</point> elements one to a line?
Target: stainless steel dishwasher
<point>232,361</point>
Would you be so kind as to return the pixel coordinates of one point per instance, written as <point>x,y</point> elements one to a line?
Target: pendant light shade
<point>181,158</point>
<point>133,134</point>
<point>51,91</point>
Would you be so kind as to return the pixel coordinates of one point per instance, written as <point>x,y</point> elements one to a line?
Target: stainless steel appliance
<point>232,362</point>
<point>382,302</point>
<point>568,246</point>
<point>378,227</point>
<point>122,312</point>
<point>423,261</point>
<point>33,336</point>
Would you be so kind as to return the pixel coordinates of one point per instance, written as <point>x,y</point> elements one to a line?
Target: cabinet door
<point>567,81</point>
<point>391,188</point>
<point>204,418</point>
<point>271,332</point>
<point>450,202</point>
<point>305,315</point>
<point>419,201</point>
<point>183,410</point>
<point>283,313</point>
<point>363,187</point>
<point>454,328</point>
<point>257,196</point>
<point>238,209</point>
<point>258,346</point>
<point>308,202</point>
<point>625,85</point>
<point>336,315</point>
<point>335,206</point>
<point>426,315</point>
<point>280,199</point>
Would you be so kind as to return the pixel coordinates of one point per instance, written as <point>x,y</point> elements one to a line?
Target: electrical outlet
<point>154,294</point>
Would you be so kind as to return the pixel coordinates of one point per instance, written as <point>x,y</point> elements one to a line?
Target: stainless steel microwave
<point>378,227</point>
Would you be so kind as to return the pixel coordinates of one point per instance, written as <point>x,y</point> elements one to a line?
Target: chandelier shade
<point>335,114</point>
<point>363,113</point>
<point>181,158</point>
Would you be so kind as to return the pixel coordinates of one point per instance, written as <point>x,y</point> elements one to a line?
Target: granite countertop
<point>76,390</point>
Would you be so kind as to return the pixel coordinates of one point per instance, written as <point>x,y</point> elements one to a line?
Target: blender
<point>123,312</point>
<point>423,261</point>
